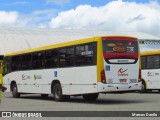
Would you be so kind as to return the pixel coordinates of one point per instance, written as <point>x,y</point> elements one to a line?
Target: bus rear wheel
<point>92,96</point>
<point>14,89</point>
<point>57,92</point>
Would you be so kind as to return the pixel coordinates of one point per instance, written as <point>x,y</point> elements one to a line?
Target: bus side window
<point>85,54</point>
<point>156,61</point>
<point>143,62</point>
<point>51,58</point>
<point>26,61</point>
<point>80,55</point>
<point>70,56</point>
<point>38,60</point>
<point>150,62</point>
<point>62,57</point>
<point>16,63</point>
<point>89,54</point>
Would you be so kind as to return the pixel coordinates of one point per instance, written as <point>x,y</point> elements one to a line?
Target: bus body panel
<point>113,78</point>
<point>122,73</point>
<point>73,80</point>
<point>85,80</point>
<point>152,78</point>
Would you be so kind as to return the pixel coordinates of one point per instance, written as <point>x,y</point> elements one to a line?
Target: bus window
<point>37,60</point>
<point>89,54</point>
<point>62,57</point>
<point>26,61</point>
<point>80,57</point>
<point>150,62</point>
<point>16,63</point>
<point>66,57</point>
<point>120,51</point>
<point>143,61</point>
<point>51,58</point>
<point>70,56</point>
<point>85,54</point>
<point>156,62</point>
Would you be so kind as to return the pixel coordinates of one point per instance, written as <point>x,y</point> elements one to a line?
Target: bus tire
<point>57,93</point>
<point>14,89</point>
<point>44,95</point>
<point>92,96</point>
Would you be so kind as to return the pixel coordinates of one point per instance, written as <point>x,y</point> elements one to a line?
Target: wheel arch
<point>144,82</point>
<point>54,82</point>
<point>13,82</point>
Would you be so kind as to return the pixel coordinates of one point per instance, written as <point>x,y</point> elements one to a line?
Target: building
<point>16,39</point>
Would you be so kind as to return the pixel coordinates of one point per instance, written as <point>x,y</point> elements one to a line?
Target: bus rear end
<point>120,65</point>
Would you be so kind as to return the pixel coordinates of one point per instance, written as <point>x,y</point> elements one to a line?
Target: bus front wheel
<point>92,96</point>
<point>14,89</point>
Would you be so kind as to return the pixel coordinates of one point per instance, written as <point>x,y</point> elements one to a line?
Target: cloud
<point>58,2</point>
<point>115,16</point>
<point>37,18</point>
<point>8,18</point>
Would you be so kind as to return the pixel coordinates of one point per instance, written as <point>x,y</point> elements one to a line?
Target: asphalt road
<point>105,102</point>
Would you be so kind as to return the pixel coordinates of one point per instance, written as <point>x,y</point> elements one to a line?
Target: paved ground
<point>105,102</point>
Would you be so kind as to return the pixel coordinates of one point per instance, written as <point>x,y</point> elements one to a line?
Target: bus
<point>83,67</point>
<point>150,70</point>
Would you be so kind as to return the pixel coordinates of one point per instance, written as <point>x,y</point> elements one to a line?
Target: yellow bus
<point>151,70</point>
<point>84,67</point>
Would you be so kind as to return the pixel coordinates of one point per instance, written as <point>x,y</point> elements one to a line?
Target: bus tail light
<point>103,76</point>
<point>139,77</point>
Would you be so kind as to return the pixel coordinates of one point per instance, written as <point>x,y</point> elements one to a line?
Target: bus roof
<point>151,52</point>
<point>16,39</point>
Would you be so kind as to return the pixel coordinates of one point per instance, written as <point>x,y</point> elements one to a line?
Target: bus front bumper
<point>119,87</point>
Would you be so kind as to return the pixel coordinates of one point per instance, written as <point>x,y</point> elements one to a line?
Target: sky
<point>109,15</point>
<point>114,15</point>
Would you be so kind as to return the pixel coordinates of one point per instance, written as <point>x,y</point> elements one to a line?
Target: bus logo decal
<point>121,72</point>
<point>34,77</point>
<point>37,77</point>
<point>150,74</point>
<point>25,77</point>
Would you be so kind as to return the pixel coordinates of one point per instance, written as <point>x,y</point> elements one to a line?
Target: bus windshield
<point>120,51</point>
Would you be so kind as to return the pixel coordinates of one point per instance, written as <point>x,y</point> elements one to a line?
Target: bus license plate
<point>123,80</point>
